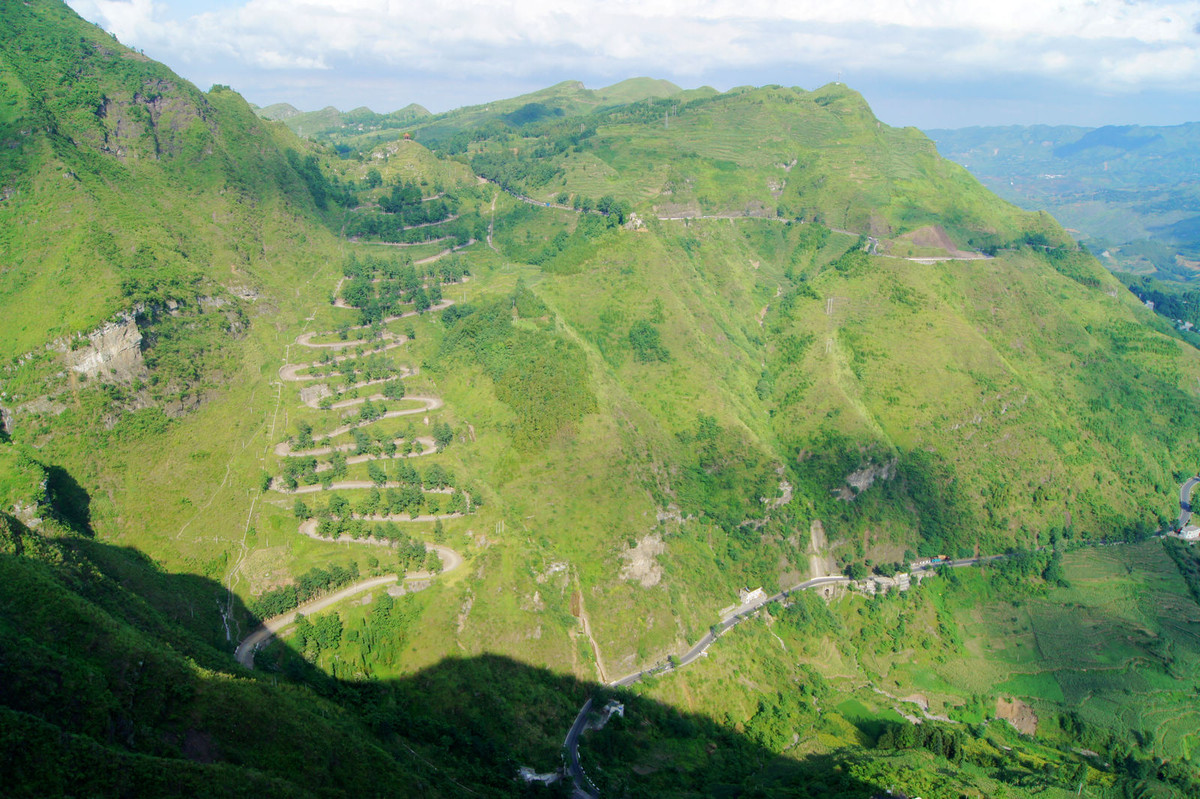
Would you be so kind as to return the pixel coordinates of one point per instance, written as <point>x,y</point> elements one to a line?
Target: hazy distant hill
<point>330,124</point>
<point>362,128</point>
<point>1130,191</point>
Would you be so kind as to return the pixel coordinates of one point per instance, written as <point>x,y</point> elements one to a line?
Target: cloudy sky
<point>929,63</point>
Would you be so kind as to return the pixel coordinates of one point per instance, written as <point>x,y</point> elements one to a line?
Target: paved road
<point>261,634</point>
<point>583,786</point>
<point>1185,502</point>
<point>306,340</point>
<point>244,653</point>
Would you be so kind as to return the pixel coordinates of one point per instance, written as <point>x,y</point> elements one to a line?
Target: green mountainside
<point>544,390</point>
<point>1129,191</point>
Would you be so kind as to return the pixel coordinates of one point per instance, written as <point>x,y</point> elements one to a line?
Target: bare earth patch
<point>1018,714</point>
<point>641,563</point>
<point>266,569</point>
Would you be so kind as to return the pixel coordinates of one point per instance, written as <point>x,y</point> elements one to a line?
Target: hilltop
<point>614,355</point>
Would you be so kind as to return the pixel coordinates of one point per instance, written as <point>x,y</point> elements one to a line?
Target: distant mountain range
<point>1131,193</point>
<point>362,127</point>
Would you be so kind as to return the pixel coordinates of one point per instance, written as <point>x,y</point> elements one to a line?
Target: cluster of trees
<point>1181,305</point>
<point>450,269</point>
<point>527,304</point>
<point>410,497</point>
<point>377,298</point>
<point>375,366</point>
<point>390,228</point>
<point>646,343</point>
<point>300,471</point>
<point>360,529</point>
<point>617,210</point>
<point>1023,564</point>
<point>384,633</point>
<point>311,584</point>
<point>307,470</point>
<point>515,173</point>
<point>383,444</point>
<point>319,185</point>
<point>323,631</point>
<point>405,201</point>
<point>540,375</point>
<point>373,266</point>
<point>723,476</point>
<point>950,743</point>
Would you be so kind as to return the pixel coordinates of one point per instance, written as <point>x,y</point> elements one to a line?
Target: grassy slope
<point>145,705</point>
<point>770,151</point>
<point>85,154</point>
<point>1106,664</point>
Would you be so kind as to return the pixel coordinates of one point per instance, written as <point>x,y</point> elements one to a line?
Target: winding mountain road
<point>284,448</point>
<point>1185,501</point>
<point>244,653</point>
<point>583,787</point>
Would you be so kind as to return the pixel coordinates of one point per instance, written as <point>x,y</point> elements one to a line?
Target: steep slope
<point>769,152</point>
<point>123,184</point>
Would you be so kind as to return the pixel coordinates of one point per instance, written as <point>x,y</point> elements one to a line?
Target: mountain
<point>277,111</point>
<point>334,126</point>
<point>549,395</point>
<point>362,129</point>
<point>1129,191</point>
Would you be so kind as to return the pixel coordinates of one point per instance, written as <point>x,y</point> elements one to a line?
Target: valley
<point>359,464</point>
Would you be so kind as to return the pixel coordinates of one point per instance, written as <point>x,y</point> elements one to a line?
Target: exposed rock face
<point>859,481</point>
<point>641,561</point>
<point>146,124</point>
<point>311,395</point>
<point>114,354</point>
<point>1018,714</point>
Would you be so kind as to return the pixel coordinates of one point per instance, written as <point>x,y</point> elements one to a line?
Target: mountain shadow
<point>103,692</point>
<point>110,686</point>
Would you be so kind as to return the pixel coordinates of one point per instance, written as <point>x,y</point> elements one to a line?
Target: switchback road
<point>244,653</point>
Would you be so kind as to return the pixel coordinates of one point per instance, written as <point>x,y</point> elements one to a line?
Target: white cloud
<point>1101,44</point>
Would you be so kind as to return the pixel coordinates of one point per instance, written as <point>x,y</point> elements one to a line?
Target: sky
<point>927,63</point>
